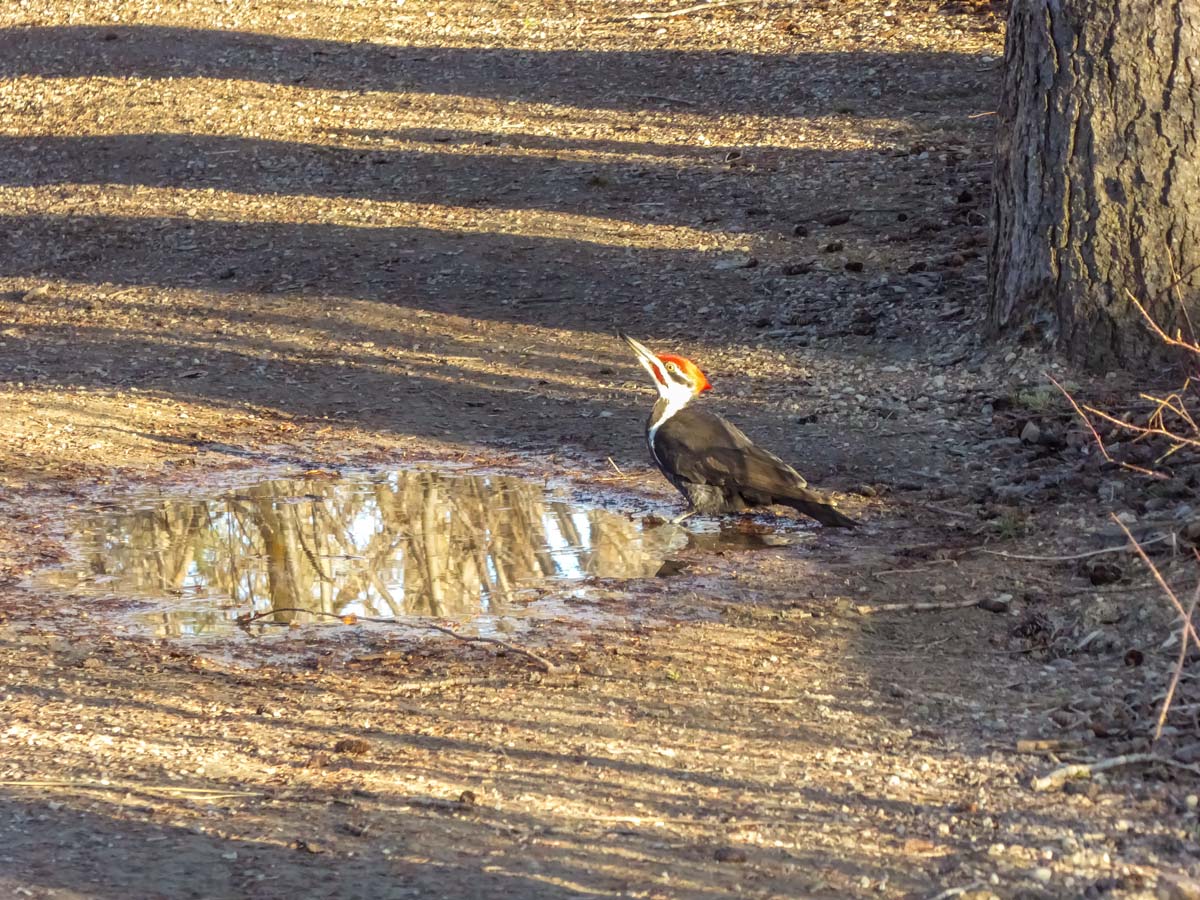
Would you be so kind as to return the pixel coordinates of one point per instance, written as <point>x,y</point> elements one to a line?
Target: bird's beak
<point>648,360</point>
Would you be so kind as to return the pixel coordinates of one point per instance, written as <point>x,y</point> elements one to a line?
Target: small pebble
<point>730,855</point>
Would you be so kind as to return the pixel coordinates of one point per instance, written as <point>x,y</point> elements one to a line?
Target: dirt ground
<point>331,232</point>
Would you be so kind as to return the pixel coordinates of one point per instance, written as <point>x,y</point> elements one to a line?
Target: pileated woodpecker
<point>716,467</point>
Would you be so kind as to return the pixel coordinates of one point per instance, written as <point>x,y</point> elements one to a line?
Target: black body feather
<point>720,470</point>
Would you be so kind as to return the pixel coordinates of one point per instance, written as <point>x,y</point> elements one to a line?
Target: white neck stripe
<point>674,405</point>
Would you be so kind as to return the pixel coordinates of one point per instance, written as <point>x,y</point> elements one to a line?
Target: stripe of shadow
<point>555,282</point>
<point>609,189</point>
<point>706,81</point>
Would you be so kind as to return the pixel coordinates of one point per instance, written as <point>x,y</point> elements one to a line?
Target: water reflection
<point>395,544</point>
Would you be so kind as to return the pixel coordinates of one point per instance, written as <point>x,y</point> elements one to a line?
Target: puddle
<point>395,544</point>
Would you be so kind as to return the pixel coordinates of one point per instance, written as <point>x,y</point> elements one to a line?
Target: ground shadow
<point>702,81</point>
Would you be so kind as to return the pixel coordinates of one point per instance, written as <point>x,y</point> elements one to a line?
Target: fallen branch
<point>1074,556</point>
<point>924,606</point>
<point>1162,582</point>
<point>669,99</point>
<point>688,10</point>
<point>1046,745</point>
<point>127,787</point>
<point>944,510</point>
<point>545,665</point>
<point>956,891</point>
<point>1178,673</point>
<point>1190,346</point>
<point>403,687</point>
<point>1060,776</point>
<point>933,564</point>
<point>1095,434</point>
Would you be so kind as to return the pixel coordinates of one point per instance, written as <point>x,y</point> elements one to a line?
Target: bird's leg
<point>687,513</point>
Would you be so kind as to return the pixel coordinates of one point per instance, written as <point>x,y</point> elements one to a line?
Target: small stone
<point>318,760</point>
<point>789,270</point>
<point>998,604</point>
<point>730,855</point>
<point>1102,571</point>
<point>833,246</point>
<point>1030,434</point>
<point>1177,887</point>
<point>735,262</point>
<point>1043,874</point>
<point>352,746</point>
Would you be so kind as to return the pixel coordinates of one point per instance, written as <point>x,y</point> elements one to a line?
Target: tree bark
<point>1097,176</point>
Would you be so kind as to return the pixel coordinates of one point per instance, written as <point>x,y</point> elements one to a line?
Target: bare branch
<point>1178,673</point>
<point>688,10</point>
<point>1063,774</point>
<point>546,666</point>
<point>1073,556</point>
<point>1162,582</point>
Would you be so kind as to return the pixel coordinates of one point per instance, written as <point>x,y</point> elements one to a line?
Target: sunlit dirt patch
<point>323,547</point>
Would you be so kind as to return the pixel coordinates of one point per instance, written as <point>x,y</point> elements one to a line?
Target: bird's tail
<point>817,507</point>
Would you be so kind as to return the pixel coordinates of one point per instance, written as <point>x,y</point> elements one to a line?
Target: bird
<point>708,459</point>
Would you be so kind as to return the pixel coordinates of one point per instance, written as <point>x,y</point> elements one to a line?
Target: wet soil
<point>334,234</point>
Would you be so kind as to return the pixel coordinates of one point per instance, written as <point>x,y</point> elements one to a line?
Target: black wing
<point>703,448</point>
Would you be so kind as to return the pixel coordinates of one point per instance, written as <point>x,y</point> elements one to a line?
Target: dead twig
<point>931,567</point>
<point>1178,673</point>
<point>944,510</point>
<point>956,891</point>
<point>1046,745</point>
<point>544,664</point>
<point>130,787</point>
<point>616,468</point>
<point>1188,629</point>
<point>1069,558</point>
<point>1092,428</point>
<point>1060,776</point>
<point>1162,582</point>
<point>688,10</point>
<point>669,99</point>
<point>405,687</point>
<point>923,606</point>
<point>1154,326</point>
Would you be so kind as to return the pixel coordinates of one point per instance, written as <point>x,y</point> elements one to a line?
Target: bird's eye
<point>671,367</point>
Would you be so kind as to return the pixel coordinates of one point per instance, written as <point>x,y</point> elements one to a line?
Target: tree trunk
<point>1097,178</point>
